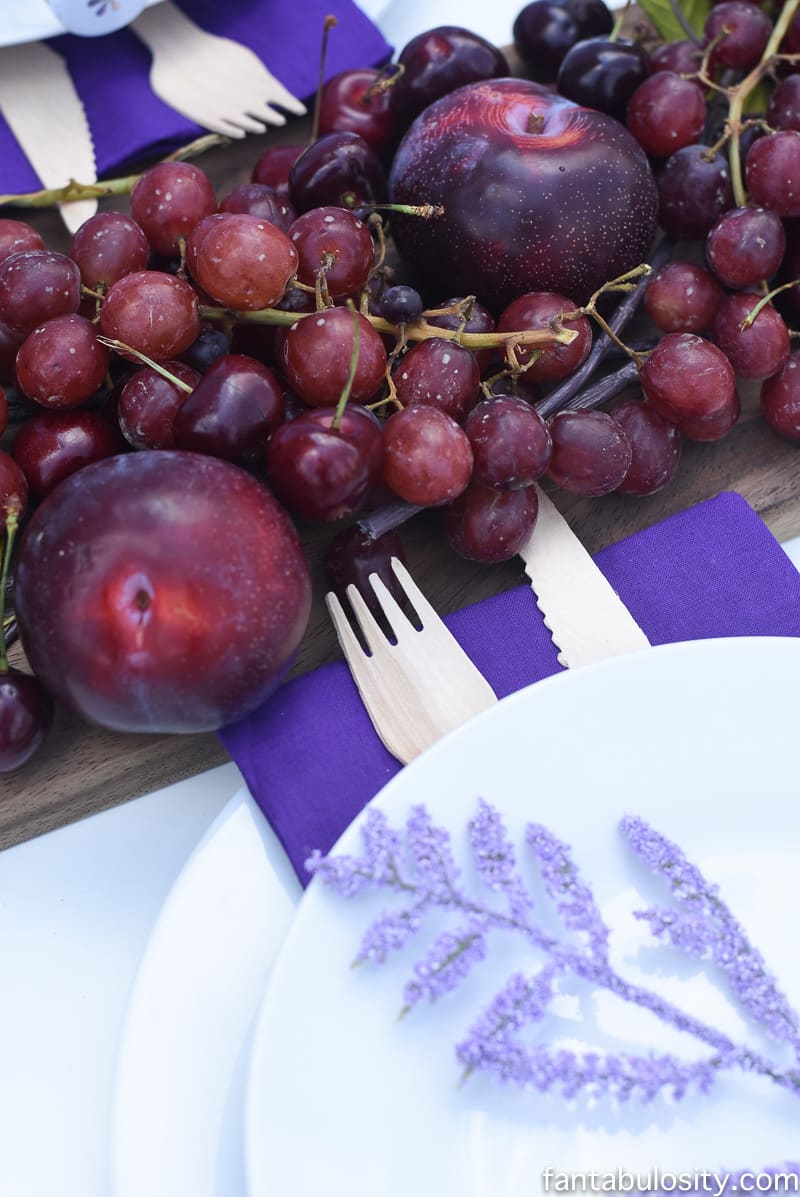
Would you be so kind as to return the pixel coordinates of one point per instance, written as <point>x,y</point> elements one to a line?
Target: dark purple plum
<point>538,194</point>
<point>161,591</point>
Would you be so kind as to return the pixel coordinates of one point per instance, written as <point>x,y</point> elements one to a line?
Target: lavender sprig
<point>704,927</point>
<point>431,855</point>
<point>446,964</point>
<point>495,859</point>
<point>573,898</point>
<point>382,847</point>
<point>591,1074</point>
<point>389,933</point>
<point>344,874</point>
<point>433,880</point>
<point>521,1001</point>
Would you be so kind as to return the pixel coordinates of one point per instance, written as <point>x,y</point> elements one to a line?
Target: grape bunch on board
<point>424,306</point>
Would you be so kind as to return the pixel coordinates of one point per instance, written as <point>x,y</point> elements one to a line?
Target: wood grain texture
<point>82,770</point>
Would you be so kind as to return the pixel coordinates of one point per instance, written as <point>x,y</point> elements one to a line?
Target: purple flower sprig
<point>421,867</point>
<point>574,899</point>
<point>701,924</point>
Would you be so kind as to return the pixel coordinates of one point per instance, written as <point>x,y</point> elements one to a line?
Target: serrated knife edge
<point>46,115</point>
<point>585,616</point>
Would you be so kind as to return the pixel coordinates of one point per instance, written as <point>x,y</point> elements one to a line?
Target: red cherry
<point>352,103</point>
<point>26,713</point>
<point>318,473</point>
<point>53,445</point>
<point>232,411</point>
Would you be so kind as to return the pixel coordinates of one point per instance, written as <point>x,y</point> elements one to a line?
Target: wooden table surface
<point>82,770</point>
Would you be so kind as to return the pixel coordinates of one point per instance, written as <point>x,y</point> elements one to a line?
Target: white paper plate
<point>177,1107</point>
<point>697,738</point>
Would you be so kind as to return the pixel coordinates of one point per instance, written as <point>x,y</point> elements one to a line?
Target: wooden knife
<point>46,115</point>
<point>585,616</point>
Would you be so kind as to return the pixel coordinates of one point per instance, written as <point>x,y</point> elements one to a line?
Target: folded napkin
<point>128,121</point>
<point>310,755</point>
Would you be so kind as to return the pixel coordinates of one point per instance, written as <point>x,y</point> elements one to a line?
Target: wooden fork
<point>417,690</point>
<point>214,81</point>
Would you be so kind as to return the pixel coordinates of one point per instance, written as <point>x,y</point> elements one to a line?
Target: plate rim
<point>153,950</point>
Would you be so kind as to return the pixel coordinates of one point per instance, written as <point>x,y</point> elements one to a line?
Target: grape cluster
<point>276,328</point>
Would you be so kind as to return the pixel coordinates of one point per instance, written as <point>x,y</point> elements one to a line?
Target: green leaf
<point>756,100</point>
<point>662,14</point>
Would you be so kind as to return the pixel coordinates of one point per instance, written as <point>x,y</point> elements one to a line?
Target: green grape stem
<point>348,386</point>
<point>420,330</point>
<point>738,96</point>
<point>48,197</point>
<point>127,351</point>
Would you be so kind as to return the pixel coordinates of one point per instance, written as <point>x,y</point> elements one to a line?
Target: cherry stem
<point>384,82</point>
<point>121,347</point>
<point>326,28</point>
<point>322,298</point>
<point>12,523</point>
<point>379,258</point>
<point>425,211</point>
<point>704,74</point>
<point>348,386</point>
<point>620,21</point>
<point>752,315</point>
<point>48,197</point>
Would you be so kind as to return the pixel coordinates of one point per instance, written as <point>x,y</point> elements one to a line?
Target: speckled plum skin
<point>161,591</point>
<point>538,194</point>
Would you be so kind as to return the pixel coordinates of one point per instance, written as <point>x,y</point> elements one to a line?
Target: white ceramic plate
<point>179,1079</point>
<point>698,739</point>
<point>30,21</point>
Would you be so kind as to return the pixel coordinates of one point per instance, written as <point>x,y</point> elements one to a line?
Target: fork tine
<point>266,113</point>
<point>347,637</point>
<point>366,620</point>
<point>415,690</point>
<point>251,124</point>
<point>421,605</point>
<point>284,99</point>
<point>248,123</point>
<point>398,621</point>
<point>217,125</point>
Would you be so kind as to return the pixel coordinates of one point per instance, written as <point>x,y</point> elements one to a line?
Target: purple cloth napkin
<point>312,759</point>
<point>128,121</point>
